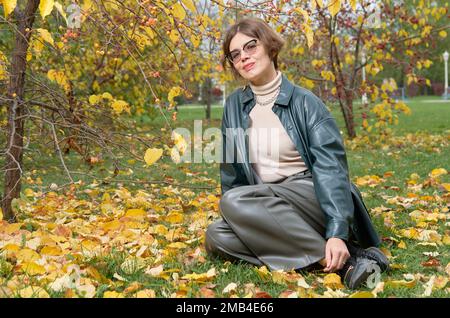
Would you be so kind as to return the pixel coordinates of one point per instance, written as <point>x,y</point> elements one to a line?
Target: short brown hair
<point>256,28</point>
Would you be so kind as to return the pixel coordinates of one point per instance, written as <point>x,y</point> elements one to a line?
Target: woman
<point>292,207</point>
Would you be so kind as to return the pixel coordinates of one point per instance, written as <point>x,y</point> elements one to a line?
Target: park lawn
<point>383,173</point>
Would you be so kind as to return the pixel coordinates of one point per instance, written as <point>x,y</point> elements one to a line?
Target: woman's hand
<point>336,254</point>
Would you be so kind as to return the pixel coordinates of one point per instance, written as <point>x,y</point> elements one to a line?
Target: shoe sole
<point>360,274</point>
<point>379,257</point>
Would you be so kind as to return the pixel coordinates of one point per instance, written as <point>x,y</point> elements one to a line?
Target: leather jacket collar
<point>284,96</point>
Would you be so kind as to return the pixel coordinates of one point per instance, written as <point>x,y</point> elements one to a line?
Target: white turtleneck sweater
<point>272,153</point>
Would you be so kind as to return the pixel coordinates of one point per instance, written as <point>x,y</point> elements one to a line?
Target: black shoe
<point>372,253</point>
<point>356,271</point>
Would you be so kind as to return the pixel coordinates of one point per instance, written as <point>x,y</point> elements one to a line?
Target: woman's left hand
<point>336,254</point>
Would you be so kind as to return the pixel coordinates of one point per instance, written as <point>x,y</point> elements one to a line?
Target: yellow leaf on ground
<point>333,281</point>
<point>89,245</point>
<point>136,213</point>
<point>29,192</point>
<point>203,277</point>
<point>397,266</point>
<point>31,268</point>
<point>362,294</point>
<point>33,292</point>
<point>177,245</point>
<point>263,272</point>
<point>113,225</point>
<point>113,294</point>
<point>10,249</point>
<point>51,250</point>
<point>402,245</point>
<point>438,172</point>
<point>410,233</point>
<point>401,283</point>
<point>446,240</point>
<point>27,255</point>
<point>145,293</point>
<point>12,228</point>
<point>174,217</point>
<point>440,282</point>
<point>160,229</point>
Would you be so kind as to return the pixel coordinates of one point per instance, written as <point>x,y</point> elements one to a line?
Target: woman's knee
<point>228,204</point>
<point>212,238</point>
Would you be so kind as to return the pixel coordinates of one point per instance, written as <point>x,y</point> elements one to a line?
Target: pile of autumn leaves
<point>60,245</point>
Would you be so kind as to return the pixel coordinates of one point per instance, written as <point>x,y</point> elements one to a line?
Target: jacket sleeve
<point>330,176</point>
<point>230,174</point>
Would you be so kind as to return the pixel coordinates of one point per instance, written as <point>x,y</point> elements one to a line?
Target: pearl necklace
<point>269,101</point>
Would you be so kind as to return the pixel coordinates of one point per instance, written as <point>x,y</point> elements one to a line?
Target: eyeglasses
<point>249,48</point>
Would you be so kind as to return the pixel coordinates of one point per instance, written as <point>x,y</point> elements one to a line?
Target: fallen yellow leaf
<point>27,255</point>
<point>145,293</point>
<point>437,172</point>
<point>177,245</point>
<point>33,291</point>
<point>136,213</point>
<point>174,217</point>
<point>203,277</point>
<point>401,283</point>
<point>31,268</point>
<point>112,294</point>
<point>263,272</point>
<point>333,281</point>
<point>362,294</point>
<point>51,250</point>
<point>402,245</point>
<point>112,225</point>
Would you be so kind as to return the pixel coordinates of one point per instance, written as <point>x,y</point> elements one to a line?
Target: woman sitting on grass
<point>293,207</point>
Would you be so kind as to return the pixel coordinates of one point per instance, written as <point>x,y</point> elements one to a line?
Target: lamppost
<point>446,75</point>
<point>363,60</point>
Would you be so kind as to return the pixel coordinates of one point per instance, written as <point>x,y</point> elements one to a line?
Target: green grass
<point>433,118</point>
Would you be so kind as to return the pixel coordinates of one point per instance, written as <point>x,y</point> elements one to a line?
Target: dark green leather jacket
<point>318,140</point>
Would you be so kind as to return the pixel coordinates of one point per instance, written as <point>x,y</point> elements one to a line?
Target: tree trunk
<point>207,94</point>
<point>15,128</point>
<point>349,118</point>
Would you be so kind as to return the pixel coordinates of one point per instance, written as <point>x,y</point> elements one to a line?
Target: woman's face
<point>255,67</point>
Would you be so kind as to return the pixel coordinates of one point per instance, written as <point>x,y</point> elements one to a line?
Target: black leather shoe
<point>356,271</point>
<point>372,253</point>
